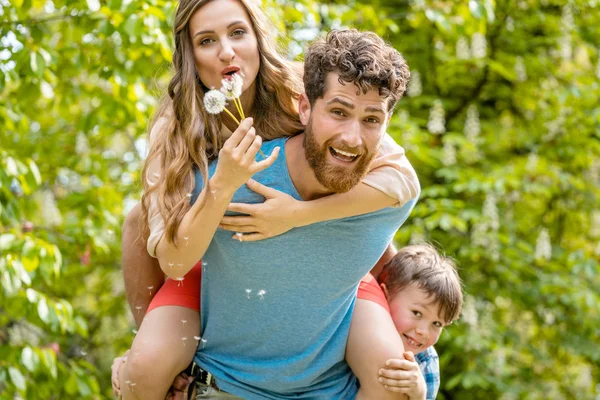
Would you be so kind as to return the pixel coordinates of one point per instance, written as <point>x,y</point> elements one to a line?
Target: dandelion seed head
<point>214,102</point>
<point>232,87</point>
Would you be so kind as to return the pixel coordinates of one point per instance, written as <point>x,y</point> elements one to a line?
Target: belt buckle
<point>203,377</point>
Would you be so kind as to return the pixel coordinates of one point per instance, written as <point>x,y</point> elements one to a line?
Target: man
<point>276,313</point>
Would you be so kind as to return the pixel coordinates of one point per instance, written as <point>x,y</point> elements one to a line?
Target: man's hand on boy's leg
<point>180,387</point>
<point>404,376</point>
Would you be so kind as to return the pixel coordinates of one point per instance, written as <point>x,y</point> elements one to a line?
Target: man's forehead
<point>349,95</point>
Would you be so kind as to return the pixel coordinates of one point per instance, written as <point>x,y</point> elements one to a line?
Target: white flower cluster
<point>490,211</point>
<point>469,312</point>
<point>595,225</point>
<point>520,69</point>
<point>543,247</point>
<point>437,119</point>
<point>50,212</point>
<point>598,69</point>
<point>532,162</point>
<point>478,45</point>
<point>463,52</point>
<point>449,154</point>
<point>472,125</point>
<point>485,232</point>
<point>415,87</point>
<point>510,24</point>
<point>567,24</point>
<point>82,145</point>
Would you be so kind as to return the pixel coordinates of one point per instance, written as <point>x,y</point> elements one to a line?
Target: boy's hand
<point>404,376</point>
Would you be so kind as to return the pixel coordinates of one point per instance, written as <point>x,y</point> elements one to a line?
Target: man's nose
<point>352,134</point>
<point>227,54</point>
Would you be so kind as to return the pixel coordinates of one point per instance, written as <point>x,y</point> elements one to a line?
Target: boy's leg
<point>164,346</point>
<point>372,341</point>
<point>140,270</point>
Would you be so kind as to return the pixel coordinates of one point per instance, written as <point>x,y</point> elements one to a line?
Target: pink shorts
<point>184,293</point>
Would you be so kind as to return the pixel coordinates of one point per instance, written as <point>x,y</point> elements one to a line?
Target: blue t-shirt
<point>276,313</point>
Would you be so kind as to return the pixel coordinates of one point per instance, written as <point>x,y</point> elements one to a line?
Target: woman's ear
<point>304,109</point>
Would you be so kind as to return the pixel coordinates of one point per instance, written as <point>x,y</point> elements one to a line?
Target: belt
<point>202,379</point>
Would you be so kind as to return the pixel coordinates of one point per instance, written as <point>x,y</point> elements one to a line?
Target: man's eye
<point>372,120</point>
<point>337,112</point>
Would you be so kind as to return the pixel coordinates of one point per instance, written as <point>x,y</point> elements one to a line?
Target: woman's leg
<point>372,341</point>
<point>164,346</point>
<point>167,340</point>
<point>140,270</point>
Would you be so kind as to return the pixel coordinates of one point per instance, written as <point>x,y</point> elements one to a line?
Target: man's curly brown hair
<point>362,58</point>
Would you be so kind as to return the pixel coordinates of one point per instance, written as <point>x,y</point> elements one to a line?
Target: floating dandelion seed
<point>171,265</point>
<point>261,294</point>
<point>183,322</point>
<point>138,308</point>
<point>183,339</point>
<point>135,331</point>
<point>197,338</point>
<point>203,343</point>
<point>248,291</point>
<point>180,281</point>
<point>239,236</point>
<point>83,353</point>
<point>189,195</point>
<point>150,289</point>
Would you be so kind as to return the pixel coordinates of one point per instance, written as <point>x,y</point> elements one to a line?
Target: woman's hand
<point>278,214</point>
<point>404,376</point>
<point>116,367</point>
<point>237,159</point>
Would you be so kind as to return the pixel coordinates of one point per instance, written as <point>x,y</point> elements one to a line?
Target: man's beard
<point>336,178</point>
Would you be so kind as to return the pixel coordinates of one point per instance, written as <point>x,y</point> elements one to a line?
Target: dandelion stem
<point>240,108</point>
<point>231,115</point>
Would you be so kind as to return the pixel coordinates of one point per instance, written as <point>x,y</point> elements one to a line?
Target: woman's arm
<point>235,166</point>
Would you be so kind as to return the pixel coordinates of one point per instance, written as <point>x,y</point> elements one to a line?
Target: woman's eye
<point>238,32</point>
<point>205,41</point>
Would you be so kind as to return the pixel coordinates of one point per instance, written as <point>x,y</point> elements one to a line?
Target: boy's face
<point>416,318</point>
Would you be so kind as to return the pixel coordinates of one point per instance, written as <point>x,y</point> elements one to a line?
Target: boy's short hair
<point>431,272</point>
<point>361,58</point>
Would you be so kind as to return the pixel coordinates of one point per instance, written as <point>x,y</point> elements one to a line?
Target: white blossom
<point>532,162</point>
<point>472,126</point>
<point>462,48</point>
<point>214,101</point>
<point>520,69</point>
<point>437,119</point>
<point>82,146</point>
<point>510,24</point>
<point>543,247</point>
<point>469,312</point>
<point>449,154</point>
<point>478,45</point>
<point>566,51</point>
<point>490,211</point>
<point>415,87</point>
<point>598,69</point>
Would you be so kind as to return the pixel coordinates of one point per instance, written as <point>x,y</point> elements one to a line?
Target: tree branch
<point>39,20</point>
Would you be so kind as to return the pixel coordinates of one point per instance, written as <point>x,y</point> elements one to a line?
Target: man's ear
<point>304,109</point>
<point>385,291</point>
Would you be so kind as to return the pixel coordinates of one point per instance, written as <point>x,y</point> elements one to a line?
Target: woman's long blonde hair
<point>190,138</point>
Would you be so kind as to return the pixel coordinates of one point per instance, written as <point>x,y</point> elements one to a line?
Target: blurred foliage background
<point>501,121</point>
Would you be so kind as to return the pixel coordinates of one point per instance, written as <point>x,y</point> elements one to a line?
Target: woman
<point>214,39</point>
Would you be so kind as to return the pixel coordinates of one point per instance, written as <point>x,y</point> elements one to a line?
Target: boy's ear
<point>385,291</point>
<point>304,109</point>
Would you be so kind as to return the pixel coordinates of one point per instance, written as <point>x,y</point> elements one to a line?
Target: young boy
<point>421,290</point>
